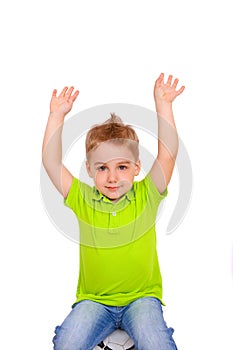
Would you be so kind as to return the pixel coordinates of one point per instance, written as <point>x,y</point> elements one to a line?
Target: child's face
<point>112,168</point>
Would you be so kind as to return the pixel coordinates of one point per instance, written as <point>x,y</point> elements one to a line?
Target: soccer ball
<point>118,340</point>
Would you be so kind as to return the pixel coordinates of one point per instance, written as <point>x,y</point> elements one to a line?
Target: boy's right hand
<point>62,104</point>
<point>52,146</point>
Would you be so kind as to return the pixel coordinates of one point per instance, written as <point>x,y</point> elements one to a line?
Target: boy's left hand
<point>166,92</point>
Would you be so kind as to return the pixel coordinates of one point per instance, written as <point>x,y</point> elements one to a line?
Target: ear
<point>137,167</point>
<point>88,169</point>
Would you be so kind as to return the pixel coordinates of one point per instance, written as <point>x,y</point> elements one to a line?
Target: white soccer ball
<point>118,340</point>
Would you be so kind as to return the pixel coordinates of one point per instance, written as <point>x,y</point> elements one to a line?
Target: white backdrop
<point>113,52</point>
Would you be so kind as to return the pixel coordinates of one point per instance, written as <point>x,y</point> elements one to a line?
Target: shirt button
<point>113,213</point>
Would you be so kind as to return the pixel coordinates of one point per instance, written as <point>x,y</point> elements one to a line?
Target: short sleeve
<point>153,189</point>
<point>80,194</point>
<point>71,200</point>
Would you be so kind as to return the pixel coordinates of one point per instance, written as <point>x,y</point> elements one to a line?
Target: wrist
<point>57,116</point>
<point>164,109</point>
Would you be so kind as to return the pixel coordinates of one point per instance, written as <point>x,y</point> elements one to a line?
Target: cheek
<point>98,177</point>
<point>127,177</point>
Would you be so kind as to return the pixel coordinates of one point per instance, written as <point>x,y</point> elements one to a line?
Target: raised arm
<point>168,142</point>
<point>52,144</point>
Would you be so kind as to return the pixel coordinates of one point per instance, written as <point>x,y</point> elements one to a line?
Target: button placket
<point>112,222</point>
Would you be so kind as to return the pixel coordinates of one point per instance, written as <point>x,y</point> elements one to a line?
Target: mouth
<point>112,188</point>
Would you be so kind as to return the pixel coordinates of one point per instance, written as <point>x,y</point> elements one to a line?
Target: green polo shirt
<point>118,256</point>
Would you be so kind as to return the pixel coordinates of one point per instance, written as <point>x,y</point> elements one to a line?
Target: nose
<point>112,176</point>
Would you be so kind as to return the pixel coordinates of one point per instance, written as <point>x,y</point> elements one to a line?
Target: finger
<point>160,78</point>
<point>69,92</point>
<point>54,94</point>
<point>174,85</point>
<point>63,92</point>
<point>169,80</point>
<point>180,90</point>
<point>75,95</point>
<point>159,81</point>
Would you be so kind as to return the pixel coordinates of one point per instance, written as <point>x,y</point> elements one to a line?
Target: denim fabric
<point>89,323</point>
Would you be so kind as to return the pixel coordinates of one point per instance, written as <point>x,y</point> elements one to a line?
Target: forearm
<point>163,166</point>
<point>52,143</point>
<point>168,140</point>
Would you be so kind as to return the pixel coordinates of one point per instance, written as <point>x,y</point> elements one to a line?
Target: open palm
<point>63,103</point>
<point>166,92</point>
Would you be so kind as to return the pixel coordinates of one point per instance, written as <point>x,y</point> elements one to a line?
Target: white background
<point>113,52</point>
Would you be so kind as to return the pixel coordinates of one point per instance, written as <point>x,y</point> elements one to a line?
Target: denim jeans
<point>89,323</point>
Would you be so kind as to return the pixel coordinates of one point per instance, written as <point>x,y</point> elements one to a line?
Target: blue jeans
<point>89,323</point>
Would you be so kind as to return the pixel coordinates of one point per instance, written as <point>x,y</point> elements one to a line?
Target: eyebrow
<point>121,162</point>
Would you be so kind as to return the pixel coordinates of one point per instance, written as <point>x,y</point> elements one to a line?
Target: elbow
<point>51,165</point>
<point>173,149</point>
<point>45,160</point>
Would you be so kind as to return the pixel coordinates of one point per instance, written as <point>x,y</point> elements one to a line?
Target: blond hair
<point>114,130</point>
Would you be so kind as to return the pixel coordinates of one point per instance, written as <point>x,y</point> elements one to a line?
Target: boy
<point>120,284</point>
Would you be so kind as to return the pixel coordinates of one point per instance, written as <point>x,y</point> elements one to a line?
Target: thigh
<point>143,321</point>
<point>87,325</point>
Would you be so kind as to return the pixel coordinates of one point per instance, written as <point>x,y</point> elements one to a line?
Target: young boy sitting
<point>120,284</point>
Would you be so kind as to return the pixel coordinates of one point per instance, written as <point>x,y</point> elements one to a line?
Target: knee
<point>157,340</point>
<point>59,340</point>
<point>63,340</point>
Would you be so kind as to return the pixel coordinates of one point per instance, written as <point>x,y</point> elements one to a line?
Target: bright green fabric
<point>118,256</point>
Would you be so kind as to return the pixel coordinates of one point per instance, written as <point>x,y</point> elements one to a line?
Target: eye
<point>122,167</point>
<point>101,168</point>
